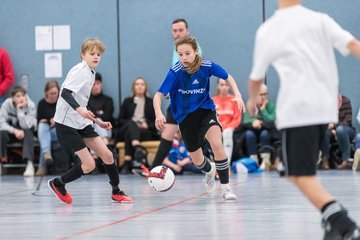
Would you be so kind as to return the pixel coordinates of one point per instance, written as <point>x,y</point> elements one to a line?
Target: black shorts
<point>300,148</point>
<point>194,127</point>
<point>169,117</point>
<point>71,138</point>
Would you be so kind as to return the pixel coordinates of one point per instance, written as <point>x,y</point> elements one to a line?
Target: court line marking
<point>94,229</point>
<point>80,233</point>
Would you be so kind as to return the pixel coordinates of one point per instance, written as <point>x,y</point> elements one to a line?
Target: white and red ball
<point>161,178</point>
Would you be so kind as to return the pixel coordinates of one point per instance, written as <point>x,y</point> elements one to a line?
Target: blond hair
<point>89,45</point>
<point>194,66</point>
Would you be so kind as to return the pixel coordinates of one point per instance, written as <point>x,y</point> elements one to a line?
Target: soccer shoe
<point>330,233</point>
<point>210,178</point>
<point>227,194</point>
<point>143,171</point>
<point>60,192</point>
<point>121,197</point>
<point>353,234</point>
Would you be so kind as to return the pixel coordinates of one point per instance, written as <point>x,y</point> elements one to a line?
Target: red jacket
<point>229,113</point>
<point>6,72</point>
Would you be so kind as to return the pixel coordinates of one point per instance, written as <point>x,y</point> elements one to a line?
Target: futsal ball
<point>161,178</point>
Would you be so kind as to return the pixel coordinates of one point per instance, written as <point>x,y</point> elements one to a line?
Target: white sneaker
<point>356,163</point>
<point>227,194</point>
<point>210,178</point>
<point>266,164</point>
<point>29,171</point>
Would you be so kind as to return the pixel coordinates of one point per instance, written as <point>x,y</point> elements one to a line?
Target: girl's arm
<point>159,116</point>
<point>237,93</point>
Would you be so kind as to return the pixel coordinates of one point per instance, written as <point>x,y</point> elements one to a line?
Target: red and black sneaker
<point>121,197</point>
<point>60,192</point>
<point>143,171</point>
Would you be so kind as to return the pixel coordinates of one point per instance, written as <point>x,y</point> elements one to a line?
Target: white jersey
<point>300,44</point>
<point>79,80</point>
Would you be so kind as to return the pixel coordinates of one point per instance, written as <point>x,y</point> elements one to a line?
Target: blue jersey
<point>189,92</point>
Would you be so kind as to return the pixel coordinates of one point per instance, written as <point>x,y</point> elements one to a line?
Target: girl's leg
<point>213,135</point>
<point>228,142</point>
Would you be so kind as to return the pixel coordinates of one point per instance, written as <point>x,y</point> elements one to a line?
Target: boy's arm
<point>4,125</point>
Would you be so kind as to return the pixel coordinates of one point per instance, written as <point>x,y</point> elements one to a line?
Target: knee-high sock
<point>113,173</point>
<point>222,168</point>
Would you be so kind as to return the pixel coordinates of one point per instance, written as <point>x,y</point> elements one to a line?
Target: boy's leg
<point>99,147</point>
<point>28,152</point>
<point>300,147</point>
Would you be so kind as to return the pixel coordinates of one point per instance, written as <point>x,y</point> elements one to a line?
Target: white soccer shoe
<point>210,179</point>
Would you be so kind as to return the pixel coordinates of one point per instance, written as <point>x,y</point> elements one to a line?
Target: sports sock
<point>113,174</point>
<point>337,216</point>
<point>222,168</point>
<point>162,152</point>
<point>205,166</point>
<point>74,173</point>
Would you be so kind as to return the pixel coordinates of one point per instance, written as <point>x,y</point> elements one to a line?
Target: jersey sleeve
<point>168,83</point>
<point>75,80</point>
<point>339,37</point>
<point>218,71</point>
<point>261,58</point>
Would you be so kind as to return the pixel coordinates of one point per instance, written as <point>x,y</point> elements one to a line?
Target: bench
<point>14,152</point>
<point>151,147</point>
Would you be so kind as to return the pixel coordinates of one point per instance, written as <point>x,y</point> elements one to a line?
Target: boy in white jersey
<point>300,44</point>
<point>73,123</point>
<point>193,109</point>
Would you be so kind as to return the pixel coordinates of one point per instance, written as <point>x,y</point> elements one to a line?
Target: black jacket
<point>127,111</point>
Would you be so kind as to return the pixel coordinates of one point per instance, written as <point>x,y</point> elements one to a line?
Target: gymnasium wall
<point>143,45</point>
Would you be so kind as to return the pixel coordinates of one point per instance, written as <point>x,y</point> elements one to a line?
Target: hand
<point>22,103</point>
<point>52,122</point>
<point>19,134</point>
<point>160,121</point>
<point>105,125</point>
<point>263,105</point>
<point>144,125</point>
<point>240,103</point>
<point>86,113</point>
<point>257,124</point>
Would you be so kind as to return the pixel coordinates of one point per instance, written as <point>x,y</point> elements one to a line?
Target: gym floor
<point>268,208</point>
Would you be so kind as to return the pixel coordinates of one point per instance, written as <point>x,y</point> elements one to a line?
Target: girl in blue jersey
<point>194,110</point>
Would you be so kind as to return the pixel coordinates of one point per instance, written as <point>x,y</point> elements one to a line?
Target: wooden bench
<point>151,147</point>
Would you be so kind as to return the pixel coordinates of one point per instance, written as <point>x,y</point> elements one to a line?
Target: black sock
<point>162,152</point>
<point>74,173</point>
<point>113,174</point>
<point>222,168</point>
<point>337,216</point>
<point>205,166</point>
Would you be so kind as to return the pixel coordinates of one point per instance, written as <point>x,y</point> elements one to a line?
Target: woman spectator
<point>137,123</point>
<point>46,125</point>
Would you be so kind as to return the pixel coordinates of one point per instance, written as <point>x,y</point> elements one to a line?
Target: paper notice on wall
<point>43,38</point>
<point>53,65</point>
<point>61,37</point>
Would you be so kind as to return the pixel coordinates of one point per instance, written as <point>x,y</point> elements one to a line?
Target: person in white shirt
<point>300,44</point>
<point>73,123</point>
